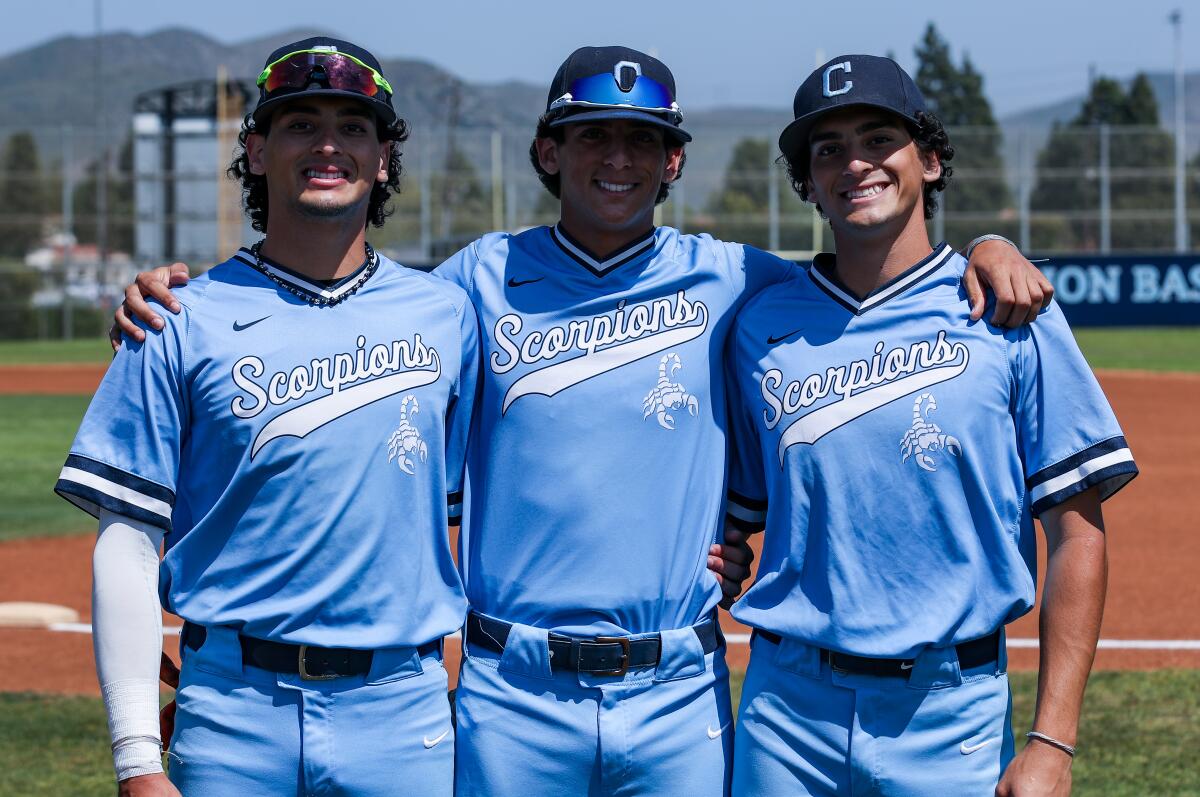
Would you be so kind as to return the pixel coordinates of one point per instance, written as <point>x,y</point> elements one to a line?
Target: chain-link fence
<point>74,233</point>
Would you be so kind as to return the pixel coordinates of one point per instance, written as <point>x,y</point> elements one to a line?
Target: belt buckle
<point>624,643</point>
<point>305,675</point>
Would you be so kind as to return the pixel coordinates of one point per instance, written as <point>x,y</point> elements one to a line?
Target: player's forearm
<point>127,636</point>
<point>1072,608</point>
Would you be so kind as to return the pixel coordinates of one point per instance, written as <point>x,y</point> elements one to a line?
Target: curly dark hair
<point>254,186</point>
<point>930,136</point>
<point>553,182</point>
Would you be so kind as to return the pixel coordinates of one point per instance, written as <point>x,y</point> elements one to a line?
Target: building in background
<point>183,140</point>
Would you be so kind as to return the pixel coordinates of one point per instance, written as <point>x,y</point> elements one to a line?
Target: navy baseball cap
<point>325,66</point>
<point>615,83</point>
<point>846,81</point>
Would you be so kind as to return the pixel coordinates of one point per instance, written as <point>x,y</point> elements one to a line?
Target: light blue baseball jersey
<point>304,460</point>
<point>899,452</point>
<point>596,467</point>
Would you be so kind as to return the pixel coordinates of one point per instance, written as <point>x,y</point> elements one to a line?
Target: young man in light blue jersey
<point>897,451</point>
<point>296,435</point>
<point>594,664</point>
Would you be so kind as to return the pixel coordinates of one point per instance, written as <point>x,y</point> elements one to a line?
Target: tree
<point>459,209</point>
<point>461,206</point>
<point>120,210</point>
<point>22,196</point>
<point>740,210</point>
<point>1140,158</point>
<point>955,95</point>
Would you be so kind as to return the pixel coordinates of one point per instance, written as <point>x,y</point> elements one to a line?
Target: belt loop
<point>527,652</point>
<point>681,656</point>
<point>798,657</point>
<point>219,650</point>
<point>935,667</point>
<point>1002,651</point>
<point>190,636</point>
<point>393,664</point>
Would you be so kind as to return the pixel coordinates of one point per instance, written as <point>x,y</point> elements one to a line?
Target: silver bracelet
<point>1050,740</point>
<point>989,237</point>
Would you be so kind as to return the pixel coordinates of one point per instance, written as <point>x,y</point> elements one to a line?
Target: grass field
<point>32,352</point>
<point>35,434</point>
<point>1137,727</point>
<point>1151,349</point>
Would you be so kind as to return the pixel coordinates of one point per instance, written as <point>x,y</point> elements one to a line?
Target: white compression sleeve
<point>127,636</point>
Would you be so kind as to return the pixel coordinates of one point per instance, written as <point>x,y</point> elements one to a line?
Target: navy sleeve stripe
<point>1109,479</point>
<point>93,486</point>
<point>123,478</point>
<point>735,510</point>
<point>92,500</point>
<point>454,508</point>
<point>1084,472</point>
<point>748,503</point>
<point>1073,462</point>
<point>744,525</point>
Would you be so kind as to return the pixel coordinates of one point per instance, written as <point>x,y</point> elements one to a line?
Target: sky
<point>753,52</point>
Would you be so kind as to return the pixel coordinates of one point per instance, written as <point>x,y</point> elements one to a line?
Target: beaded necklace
<point>316,301</point>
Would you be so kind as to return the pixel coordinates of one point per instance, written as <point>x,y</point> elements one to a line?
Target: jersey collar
<point>319,289</point>
<point>580,254</point>
<point>822,274</point>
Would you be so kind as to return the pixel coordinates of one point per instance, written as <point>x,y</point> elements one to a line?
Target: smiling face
<point>867,173</point>
<point>610,174</point>
<point>321,157</point>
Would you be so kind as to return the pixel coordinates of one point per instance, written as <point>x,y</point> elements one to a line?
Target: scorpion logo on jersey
<point>925,438</point>
<point>668,395</point>
<point>407,439</point>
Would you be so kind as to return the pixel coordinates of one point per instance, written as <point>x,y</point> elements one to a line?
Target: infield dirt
<point>1154,549</point>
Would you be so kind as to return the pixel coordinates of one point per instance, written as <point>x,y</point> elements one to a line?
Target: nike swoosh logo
<point>239,327</point>
<point>429,743</point>
<point>904,666</point>
<point>513,282</point>
<point>771,341</point>
<point>715,734</point>
<point>967,749</point>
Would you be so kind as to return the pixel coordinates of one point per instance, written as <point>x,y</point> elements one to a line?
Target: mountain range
<point>53,84</point>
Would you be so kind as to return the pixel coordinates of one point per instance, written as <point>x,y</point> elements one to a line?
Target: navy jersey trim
<point>454,508</point>
<point>746,501</point>
<point>580,254</point>
<point>747,526</point>
<point>1108,464</point>
<point>892,288</point>
<point>315,288</point>
<point>93,486</point>
<point>747,514</point>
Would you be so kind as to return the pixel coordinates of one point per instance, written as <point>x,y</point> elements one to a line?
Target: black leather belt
<point>602,655</point>
<point>975,654</point>
<point>310,662</point>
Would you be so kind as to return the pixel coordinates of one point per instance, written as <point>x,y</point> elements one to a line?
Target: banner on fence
<point>1127,290</point>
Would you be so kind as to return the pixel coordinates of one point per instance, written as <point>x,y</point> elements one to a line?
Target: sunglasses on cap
<point>605,91</point>
<point>343,72</point>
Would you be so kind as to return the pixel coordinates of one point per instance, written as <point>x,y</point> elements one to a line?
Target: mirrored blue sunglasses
<point>602,91</point>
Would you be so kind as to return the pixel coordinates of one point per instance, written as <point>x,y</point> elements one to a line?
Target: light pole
<point>1181,226</point>
<point>102,162</point>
